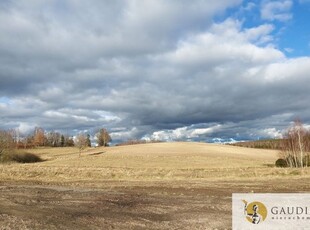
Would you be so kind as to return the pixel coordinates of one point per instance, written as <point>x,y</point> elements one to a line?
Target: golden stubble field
<point>150,186</point>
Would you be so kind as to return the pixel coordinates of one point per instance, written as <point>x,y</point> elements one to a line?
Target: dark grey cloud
<point>153,69</point>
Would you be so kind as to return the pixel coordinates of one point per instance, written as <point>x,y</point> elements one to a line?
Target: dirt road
<point>128,205</point>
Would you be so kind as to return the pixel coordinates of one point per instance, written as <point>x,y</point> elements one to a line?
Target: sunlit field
<point>147,186</point>
<point>159,161</point>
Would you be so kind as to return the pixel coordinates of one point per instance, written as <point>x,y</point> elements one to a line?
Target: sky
<point>198,70</point>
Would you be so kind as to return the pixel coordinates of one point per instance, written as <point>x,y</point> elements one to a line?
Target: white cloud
<point>55,114</point>
<point>169,135</point>
<point>203,131</point>
<point>225,141</point>
<point>260,34</point>
<point>271,133</point>
<point>295,69</point>
<point>26,128</point>
<point>225,43</point>
<point>124,134</point>
<point>276,10</point>
<point>183,133</point>
<point>160,69</point>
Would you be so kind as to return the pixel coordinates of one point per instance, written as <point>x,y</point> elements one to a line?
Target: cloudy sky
<point>170,70</point>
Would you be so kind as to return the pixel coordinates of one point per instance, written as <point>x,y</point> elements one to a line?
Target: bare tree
<point>6,142</point>
<point>38,136</point>
<point>81,142</point>
<point>296,146</point>
<point>69,142</point>
<point>15,133</point>
<point>54,139</point>
<point>103,137</point>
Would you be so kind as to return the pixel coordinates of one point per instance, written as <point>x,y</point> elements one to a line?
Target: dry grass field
<point>147,186</point>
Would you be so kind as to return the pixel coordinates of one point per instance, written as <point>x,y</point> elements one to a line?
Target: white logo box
<point>272,211</point>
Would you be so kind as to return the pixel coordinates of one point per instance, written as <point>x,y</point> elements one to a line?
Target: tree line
<point>40,138</point>
<point>276,144</point>
<point>294,147</point>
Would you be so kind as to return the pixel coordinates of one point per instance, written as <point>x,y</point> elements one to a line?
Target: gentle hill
<point>155,161</point>
<point>162,155</point>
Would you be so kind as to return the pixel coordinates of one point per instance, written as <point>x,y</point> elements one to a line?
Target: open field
<point>149,186</point>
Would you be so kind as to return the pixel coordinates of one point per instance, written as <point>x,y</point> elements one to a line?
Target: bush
<point>20,157</point>
<point>290,160</point>
<point>281,163</point>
